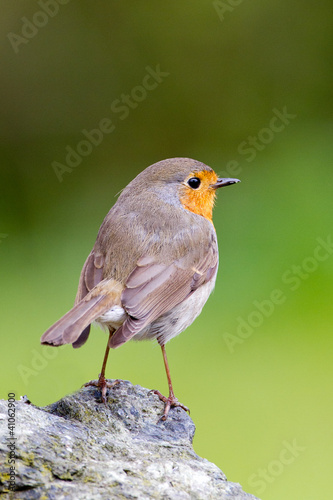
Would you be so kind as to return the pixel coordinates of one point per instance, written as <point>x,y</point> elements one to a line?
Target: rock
<point>79,448</point>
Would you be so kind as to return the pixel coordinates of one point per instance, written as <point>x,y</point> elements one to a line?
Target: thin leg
<point>102,382</point>
<point>106,355</point>
<point>171,400</point>
<point>167,369</point>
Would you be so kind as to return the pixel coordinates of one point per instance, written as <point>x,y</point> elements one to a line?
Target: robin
<point>153,265</point>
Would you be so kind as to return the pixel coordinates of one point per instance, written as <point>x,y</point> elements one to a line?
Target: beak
<point>224,182</point>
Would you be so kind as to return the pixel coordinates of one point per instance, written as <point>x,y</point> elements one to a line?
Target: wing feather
<point>91,275</point>
<point>153,289</point>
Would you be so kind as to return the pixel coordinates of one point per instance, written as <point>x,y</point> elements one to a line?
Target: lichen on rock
<point>79,448</point>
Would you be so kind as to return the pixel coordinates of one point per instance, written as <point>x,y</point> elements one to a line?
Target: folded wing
<point>153,289</point>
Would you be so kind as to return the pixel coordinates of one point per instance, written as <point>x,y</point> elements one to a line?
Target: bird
<point>152,267</point>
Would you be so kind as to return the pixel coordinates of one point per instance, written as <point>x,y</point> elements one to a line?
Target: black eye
<point>194,182</point>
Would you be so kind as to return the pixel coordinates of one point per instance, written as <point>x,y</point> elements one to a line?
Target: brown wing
<point>91,275</point>
<point>153,289</point>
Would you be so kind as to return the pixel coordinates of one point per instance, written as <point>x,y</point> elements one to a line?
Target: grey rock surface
<point>79,448</point>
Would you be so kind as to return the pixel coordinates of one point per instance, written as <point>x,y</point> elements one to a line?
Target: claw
<point>170,402</point>
<point>103,384</point>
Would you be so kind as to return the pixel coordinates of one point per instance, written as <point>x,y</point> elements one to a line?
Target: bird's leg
<point>102,383</point>
<point>171,400</point>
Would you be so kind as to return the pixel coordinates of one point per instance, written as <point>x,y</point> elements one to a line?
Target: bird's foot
<point>103,384</point>
<point>170,402</point>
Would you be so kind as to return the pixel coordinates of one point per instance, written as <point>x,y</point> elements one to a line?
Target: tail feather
<point>82,338</point>
<point>68,329</point>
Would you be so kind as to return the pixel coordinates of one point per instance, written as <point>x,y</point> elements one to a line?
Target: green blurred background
<point>227,71</point>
